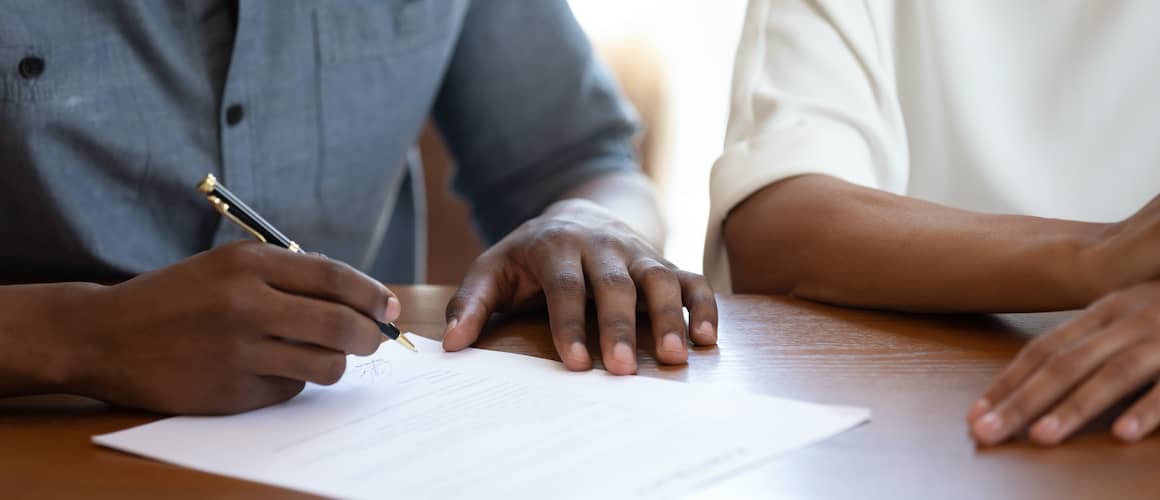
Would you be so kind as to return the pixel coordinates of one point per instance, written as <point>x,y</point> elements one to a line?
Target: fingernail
<point>672,342</point>
<point>1046,428</point>
<point>451,324</point>
<point>988,426</point>
<point>578,351</point>
<point>394,308</point>
<point>623,355</point>
<point>1128,428</point>
<point>705,330</point>
<point>978,408</point>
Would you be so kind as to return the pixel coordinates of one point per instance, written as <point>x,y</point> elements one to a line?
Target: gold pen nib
<point>406,342</point>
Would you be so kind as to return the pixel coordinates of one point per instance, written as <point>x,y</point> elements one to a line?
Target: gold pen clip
<point>207,187</point>
<point>210,188</point>
<point>224,209</point>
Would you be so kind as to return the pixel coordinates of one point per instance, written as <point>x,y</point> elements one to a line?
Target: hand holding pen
<point>237,327</point>
<point>241,214</point>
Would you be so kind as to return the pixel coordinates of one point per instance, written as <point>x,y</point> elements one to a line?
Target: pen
<point>241,214</point>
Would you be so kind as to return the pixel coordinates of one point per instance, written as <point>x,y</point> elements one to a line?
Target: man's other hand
<point>575,251</point>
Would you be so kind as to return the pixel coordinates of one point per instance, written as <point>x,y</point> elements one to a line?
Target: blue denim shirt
<point>111,111</point>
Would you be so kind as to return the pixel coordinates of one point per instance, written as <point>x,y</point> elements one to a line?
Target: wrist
<point>594,213</point>
<point>52,328</point>
<point>1092,267</point>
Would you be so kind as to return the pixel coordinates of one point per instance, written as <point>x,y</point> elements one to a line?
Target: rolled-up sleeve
<point>813,93</point>
<point>528,112</point>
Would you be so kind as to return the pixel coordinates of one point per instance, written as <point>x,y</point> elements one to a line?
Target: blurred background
<point>674,60</point>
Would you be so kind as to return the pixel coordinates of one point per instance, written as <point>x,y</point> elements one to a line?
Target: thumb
<point>470,307</point>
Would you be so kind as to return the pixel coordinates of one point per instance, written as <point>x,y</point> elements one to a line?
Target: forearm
<point>630,196</point>
<point>34,350</point>
<point>824,239</point>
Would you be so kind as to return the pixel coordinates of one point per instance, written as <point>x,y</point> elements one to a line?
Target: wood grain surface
<point>917,373</point>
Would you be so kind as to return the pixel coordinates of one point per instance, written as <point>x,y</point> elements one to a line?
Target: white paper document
<point>485,424</point>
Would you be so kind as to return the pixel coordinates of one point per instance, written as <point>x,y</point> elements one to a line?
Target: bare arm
<point>824,239</point>
<point>35,354</point>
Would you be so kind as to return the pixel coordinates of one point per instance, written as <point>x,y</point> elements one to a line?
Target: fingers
<point>276,390</point>
<point>471,306</point>
<point>615,295</point>
<point>662,293</point>
<point>1124,374</point>
<point>702,303</point>
<point>252,393</point>
<point>331,280</point>
<point>1032,357</point>
<point>304,362</point>
<point>326,324</point>
<point>562,279</point>
<point>1054,378</point>
<point>1141,419</point>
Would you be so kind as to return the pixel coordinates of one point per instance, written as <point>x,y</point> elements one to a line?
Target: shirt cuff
<point>748,166</point>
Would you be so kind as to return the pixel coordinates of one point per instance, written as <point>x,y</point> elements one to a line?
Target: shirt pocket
<point>69,114</point>
<point>380,64</point>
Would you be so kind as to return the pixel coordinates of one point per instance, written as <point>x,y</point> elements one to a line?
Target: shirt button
<point>30,67</point>
<point>234,114</point>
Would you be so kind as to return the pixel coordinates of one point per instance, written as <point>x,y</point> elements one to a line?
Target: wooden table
<point>917,373</point>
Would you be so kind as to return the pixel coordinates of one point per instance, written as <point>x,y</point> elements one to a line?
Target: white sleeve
<point>813,93</point>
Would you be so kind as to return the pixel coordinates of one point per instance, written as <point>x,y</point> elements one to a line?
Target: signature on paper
<point>373,370</point>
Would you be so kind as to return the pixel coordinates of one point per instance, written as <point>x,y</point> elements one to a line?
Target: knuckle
<point>617,280</point>
<point>573,325</point>
<point>697,287</point>
<point>240,259</point>
<point>703,298</point>
<point>656,274</point>
<point>668,310</point>
<point>617,323</point>
<point>608,239</point>
<point>237,302</point>
<point>333,277</point>
<point>230,354</point>
<point>1062,366</point>
<point>553,232</point>
<point>236,254</point>
<point>568,282</point>
<point>1124,367</point>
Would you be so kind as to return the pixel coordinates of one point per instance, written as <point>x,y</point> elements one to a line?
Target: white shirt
<point>1046,108</point>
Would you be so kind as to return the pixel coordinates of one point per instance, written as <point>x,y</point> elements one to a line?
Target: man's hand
<point>578,249</point>
<point>232,329</point>
<point>1068,376</point>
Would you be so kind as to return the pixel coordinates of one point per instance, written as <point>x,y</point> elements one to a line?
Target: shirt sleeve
<point>813,93</point>
<point>528,112</point>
